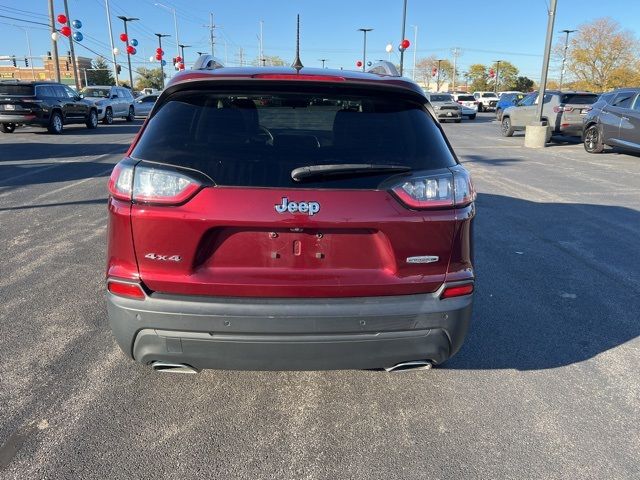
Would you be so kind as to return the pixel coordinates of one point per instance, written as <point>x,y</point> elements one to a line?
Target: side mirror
<point>114,96</point>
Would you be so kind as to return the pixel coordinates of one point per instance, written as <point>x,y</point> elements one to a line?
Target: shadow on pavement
<point>481,159</point>
<point>20,175</point>
<point>557,284</point>
<point>95,201</point>
<point>12,152</point>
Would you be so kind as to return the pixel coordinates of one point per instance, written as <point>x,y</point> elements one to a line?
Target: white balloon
<point>389,48</point>
<point>116,51</point>
<point>151,59</point>
<point>54,36</point>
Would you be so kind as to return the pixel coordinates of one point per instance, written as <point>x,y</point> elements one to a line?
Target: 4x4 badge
<point>310,208</point>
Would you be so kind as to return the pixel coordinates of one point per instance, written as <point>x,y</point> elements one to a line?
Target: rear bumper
<point>30,119</point>
<point>290,334</point>
<point>455,115</point>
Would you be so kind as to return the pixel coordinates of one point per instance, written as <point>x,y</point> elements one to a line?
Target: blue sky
<point>483,30</point>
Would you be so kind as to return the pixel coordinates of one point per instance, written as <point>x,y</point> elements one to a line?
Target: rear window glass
<point>16,89</point>
<point>466,98</point>
<point>257,139</point>
<point>577,99</point>
<point>96,92</point>
<point>489,95</point>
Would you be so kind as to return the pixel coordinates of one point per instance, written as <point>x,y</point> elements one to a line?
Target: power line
<point>26,21</point>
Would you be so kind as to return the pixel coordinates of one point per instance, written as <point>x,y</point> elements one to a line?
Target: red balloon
<point>123,37</point>
<point>159,51</point>
<point>130,50</point>
<point>158,57</point>
<point>62,19</point>
<point>181,66</point>
<point>66,31</point>
<point>405,44</point>
<point>178,59</point>
<point>358,63</point>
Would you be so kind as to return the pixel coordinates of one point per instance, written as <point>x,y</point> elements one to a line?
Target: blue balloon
<point>134,42</point>
<point>76,24</point>
<point>164,63</point>
<point>77,36</point>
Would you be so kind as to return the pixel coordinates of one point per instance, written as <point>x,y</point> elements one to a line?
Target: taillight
<point>129,290</point>
<point>443,190</point>
<point>558,109</point>
<point>121,181</point>
<point>148,184</point>
<point>154,185</point>
<point>457,291</point>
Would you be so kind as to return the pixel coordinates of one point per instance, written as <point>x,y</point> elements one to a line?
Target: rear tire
<point>499,114</point>
<point>55,123</point>
<point>458,120</point>
<point>593,140</point>
<point>92,121</point>
<point>131,116</point>
<point>507,128</point>
<point>8,127</point>
<point>108,116</point>
<point>480,108</point>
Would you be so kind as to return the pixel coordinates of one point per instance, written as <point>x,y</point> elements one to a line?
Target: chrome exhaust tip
<point>410,366</point>
<point>173,367</point>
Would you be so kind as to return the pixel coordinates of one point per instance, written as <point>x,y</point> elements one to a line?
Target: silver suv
<point>111,102</point>
<point>446,108</point>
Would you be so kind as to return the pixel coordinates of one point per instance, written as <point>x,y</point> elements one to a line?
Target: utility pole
<point>54,42</point>
<point>113,53</point>
<point>241,56</point>
<point>456,52</point>
<point>364,48</point>
<point>495,85</point>
<point>126,20</point>
<point>323,60</point>
<point>175,24</point>
<point>160,37</point>
<point>212,32</point>
<point>76,73</point>
<point>564,55</point>
<point>262,59</point>
<point>404,22</point>
<point>415,51</point>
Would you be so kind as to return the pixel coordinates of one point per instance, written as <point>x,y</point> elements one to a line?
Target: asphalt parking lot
<point>546,385</point>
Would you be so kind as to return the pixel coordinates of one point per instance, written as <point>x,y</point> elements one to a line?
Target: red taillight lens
<point>129,290</point>
<point>121,181</point>
<point>457,291</point>
<point>444,190</point>
<point>168,187</point>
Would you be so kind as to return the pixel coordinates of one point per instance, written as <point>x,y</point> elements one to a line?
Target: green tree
<point>479,76</point>
<point>522,84</point>
<point>149,78</point>
<point>101,73</point>
<point>269,61</point>
<point>507,74</point>
<point>601,56</point>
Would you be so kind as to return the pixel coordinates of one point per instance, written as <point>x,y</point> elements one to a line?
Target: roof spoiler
<point>383,67</point>
<point>207,62</point>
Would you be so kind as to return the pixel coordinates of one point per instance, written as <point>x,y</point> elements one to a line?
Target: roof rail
<point>207,62</point>
<point>383,67</point>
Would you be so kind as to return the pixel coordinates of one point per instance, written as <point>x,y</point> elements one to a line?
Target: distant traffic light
<point>66,65</point>
<point>118,69</point>
<point>26,62</point>
<point>13,60</point>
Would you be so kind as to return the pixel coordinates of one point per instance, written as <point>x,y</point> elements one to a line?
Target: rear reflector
<point>457,291</point>
<point>129,290</point>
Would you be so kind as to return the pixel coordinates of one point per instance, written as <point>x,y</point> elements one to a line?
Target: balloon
<point>116,51</point>
<point>54,36</point>
<point>159,51</point>
<point>389,48</point>
<point>151,59</point>
<point>77,36</point>
<point>358,63</point>
<point>369,63</point>
<point>164,63</point>
<point>134,42</point>
<point>77,24</point>
<point>62,18</point>
<point>180,66</point>
<point>405,44</point>
<point>130,50</point>
<point>66,31</point>
<point>158,57</point>
<point>124,37</point>
<point>178,59</point>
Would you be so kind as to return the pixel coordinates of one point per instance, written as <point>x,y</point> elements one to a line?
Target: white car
<point>487,101</point>
<point>468,103</point>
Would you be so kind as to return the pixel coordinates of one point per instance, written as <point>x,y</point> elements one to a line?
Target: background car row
<point>52,105</point>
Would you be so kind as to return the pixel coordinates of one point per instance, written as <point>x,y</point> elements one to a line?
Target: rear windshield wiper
<point>313,171</point>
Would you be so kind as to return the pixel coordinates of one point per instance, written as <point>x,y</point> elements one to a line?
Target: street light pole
<point>564,55</point>
<point>404,23</point>
<point>126,20</point>
<point>545,62</point>
<point>113,53</point>
<point>323,60</point>
<point>364,48</point>
<point>160,37</point>
<point>33,72</point>
<point>495,85</point>
<point>182,47</point>
<point>175,24</point>
<point>415,51</point>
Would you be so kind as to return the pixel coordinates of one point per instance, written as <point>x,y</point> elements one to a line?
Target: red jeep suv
<point>274,219</point>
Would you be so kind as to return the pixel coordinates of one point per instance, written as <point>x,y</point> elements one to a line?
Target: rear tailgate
<point>575,106</point>
<point>359,243</point>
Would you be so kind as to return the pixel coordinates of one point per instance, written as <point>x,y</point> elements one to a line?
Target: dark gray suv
<point>613,120</point>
